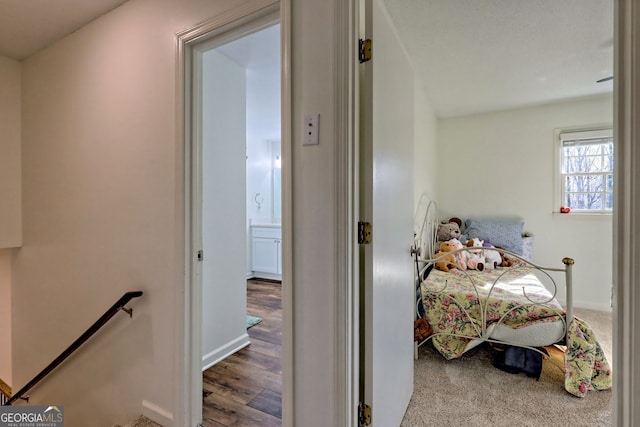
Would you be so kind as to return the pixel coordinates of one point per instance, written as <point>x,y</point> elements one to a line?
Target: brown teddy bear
<point>506,261</point>
<point>447,261</point>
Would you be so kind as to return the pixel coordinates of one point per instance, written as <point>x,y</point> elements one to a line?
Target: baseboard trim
<point>269,276</point>
<point>590,306</point>
<point>224,351</point>
<point>157,414</point>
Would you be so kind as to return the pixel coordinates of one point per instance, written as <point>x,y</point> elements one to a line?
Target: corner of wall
<point>10,153</point>
<point>5,316</point>
<point>425,146</point>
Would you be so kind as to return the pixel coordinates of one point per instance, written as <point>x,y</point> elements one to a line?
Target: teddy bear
<point>448,260</point>
<point>506,261</point>
<point>447,231</point>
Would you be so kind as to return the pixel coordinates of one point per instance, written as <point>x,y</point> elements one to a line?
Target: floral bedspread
<point>585,365</point>
<point>513,297</point>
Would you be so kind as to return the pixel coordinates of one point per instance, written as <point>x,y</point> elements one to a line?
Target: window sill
<point>584,214</point>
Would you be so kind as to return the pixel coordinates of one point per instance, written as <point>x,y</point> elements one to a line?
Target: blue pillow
<point>502,234</point>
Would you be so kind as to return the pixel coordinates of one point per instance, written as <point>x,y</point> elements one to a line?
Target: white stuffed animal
<point>492,256</point>
<point>476,257</point>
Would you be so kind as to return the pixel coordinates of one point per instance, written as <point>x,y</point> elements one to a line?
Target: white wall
<point>10,167</point>
<point>314,221</point>
<point>224,291</point>
<point>5,315</point>
<point>425,153</point>
<point>502,165</point>
<point>259,176</point>
<point>103,213</point>
<point>263,127</point>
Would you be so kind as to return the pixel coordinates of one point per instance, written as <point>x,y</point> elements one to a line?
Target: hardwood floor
<point>245,389</point>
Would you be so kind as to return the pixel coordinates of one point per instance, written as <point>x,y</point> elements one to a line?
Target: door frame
<point>626,242</point>
<point>188,392</point>
<point>347,202</point>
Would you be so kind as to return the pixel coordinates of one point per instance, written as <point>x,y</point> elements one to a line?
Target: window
<point>586,170</point>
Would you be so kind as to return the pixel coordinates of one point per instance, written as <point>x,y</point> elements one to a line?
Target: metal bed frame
<point>425,230</point>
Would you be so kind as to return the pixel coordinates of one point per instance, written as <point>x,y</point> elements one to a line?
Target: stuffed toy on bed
<point>476,258</point>
<point>449,261</point>
<point>507,261</point>
<point>448,231</point>
<point>492,257</point>
<point>463,259</point>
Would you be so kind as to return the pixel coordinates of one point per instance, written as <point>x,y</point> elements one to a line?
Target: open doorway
<point>233,116</point>
<point>470,137</point>
<point>241,207</point>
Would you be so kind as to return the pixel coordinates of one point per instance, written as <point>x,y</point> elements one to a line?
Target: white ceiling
<point>27,26</point>
<point>259,50</point>
<point>483,55</point>
<point>471,55</point>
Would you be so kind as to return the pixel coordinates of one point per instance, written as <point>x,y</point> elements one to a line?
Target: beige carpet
<point>471,392</point>
<point>141,421</point>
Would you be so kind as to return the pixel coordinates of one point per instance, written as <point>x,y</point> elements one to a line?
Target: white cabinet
<point>266,251</point>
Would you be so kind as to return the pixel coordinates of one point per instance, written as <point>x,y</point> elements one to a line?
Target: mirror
<point>276,174</point>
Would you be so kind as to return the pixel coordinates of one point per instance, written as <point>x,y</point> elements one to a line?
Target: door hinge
<point>364,233</point>
<point>200,256</point>
<point>364,52</point>
<point>364,414</point>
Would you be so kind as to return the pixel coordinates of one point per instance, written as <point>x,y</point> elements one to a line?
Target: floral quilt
<point>455,310</point>
<point>585,365</point>
<point>513,297</point>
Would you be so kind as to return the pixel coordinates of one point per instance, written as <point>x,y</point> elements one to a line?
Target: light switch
<point>311,122</point>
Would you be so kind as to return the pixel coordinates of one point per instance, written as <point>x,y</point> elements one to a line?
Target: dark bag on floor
<point>517,359</point>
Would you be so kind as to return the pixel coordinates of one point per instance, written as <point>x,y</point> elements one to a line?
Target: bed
<point>507,307</point>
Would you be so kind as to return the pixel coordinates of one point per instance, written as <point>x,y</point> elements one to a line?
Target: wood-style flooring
<point>245,389</point>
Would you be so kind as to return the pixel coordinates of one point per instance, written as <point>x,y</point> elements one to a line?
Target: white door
<point>386,201</point>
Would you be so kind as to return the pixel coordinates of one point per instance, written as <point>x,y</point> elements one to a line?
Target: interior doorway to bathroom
<point>236,161</point>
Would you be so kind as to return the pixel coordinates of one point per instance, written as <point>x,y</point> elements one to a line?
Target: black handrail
<point>119,305</point>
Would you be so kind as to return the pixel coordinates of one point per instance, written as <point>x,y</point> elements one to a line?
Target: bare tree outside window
<point>587,174</point>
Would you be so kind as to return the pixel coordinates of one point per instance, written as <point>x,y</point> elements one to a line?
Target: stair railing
<point>119,305</point>
<point>5,392</point>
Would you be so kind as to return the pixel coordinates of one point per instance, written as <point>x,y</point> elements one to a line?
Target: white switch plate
<point>311,129</point>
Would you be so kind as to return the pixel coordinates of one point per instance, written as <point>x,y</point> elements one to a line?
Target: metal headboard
<point>425,227</point>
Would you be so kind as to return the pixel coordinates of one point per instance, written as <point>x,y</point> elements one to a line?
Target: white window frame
<point>562,135</point>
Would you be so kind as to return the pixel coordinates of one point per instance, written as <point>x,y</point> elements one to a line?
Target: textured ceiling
<point>471,55</point>
<point>484,55</point>
<point>26,26</point>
